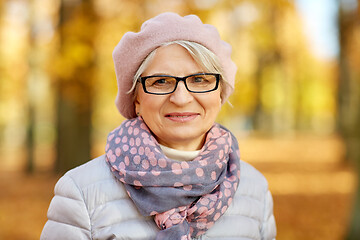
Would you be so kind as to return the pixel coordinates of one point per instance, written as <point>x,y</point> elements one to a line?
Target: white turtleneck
<point>179,155</point>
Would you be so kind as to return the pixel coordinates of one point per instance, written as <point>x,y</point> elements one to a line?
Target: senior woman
<point>170,171</point>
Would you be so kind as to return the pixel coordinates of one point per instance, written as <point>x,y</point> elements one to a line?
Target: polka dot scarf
<point>185,198</point>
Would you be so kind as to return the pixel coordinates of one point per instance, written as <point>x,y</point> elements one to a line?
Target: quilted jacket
<point>90,203</point>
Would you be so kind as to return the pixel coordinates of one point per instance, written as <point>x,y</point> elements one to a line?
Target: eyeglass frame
<point>178,79</point>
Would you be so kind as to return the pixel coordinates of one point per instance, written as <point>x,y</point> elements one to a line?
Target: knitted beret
<point>166,27</point>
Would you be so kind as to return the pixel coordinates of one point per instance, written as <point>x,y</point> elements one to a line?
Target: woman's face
<point>181,119</point>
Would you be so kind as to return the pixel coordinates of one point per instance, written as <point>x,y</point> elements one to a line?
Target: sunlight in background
<point>320,25</point>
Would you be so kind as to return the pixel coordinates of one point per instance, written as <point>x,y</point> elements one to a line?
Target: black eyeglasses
<point>165,84</point>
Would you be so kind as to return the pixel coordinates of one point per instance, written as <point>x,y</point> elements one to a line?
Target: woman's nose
<point>181,96</point>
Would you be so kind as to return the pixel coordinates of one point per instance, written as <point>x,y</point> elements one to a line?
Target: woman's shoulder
<point>252,182</point>
<point>249,171</point>
<point>89,197</point>
<point>95,183</point>
<point>90,172</point>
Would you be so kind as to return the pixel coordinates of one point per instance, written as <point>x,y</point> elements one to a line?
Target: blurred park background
<point>295,110</point>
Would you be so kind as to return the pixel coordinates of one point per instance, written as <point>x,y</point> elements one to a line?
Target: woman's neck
<point>193,145</point>
<point>179,155</point>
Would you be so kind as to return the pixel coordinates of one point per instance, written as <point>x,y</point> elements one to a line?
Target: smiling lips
<point>181,117</point>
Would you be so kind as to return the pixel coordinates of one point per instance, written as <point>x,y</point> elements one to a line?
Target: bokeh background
<point>295,110</point>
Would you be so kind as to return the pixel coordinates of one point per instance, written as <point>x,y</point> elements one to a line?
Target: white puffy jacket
<point>90,203</point>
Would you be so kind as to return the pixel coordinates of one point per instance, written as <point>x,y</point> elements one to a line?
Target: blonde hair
<point>203,56</point>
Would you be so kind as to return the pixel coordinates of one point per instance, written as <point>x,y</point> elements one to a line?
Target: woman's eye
<point>160,81</point>
<point>199,79</point>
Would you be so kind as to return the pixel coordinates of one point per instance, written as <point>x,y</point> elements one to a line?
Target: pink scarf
<point>185,198</point>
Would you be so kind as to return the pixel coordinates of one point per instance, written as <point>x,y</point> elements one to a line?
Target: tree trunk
<point>349,99</point>
<point>267,58</point>
<point>31,124</point>
<point>74,83</point>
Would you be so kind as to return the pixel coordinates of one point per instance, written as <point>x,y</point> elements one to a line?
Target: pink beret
<point>166,27</point>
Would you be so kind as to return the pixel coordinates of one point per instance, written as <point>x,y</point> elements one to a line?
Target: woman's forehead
<point>172,59</point>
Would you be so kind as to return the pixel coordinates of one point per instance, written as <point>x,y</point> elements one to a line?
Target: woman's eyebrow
<point>170,75</point>
<point>159,73</point>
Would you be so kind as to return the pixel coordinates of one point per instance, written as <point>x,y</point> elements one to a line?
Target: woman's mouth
<point>181,117</point>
